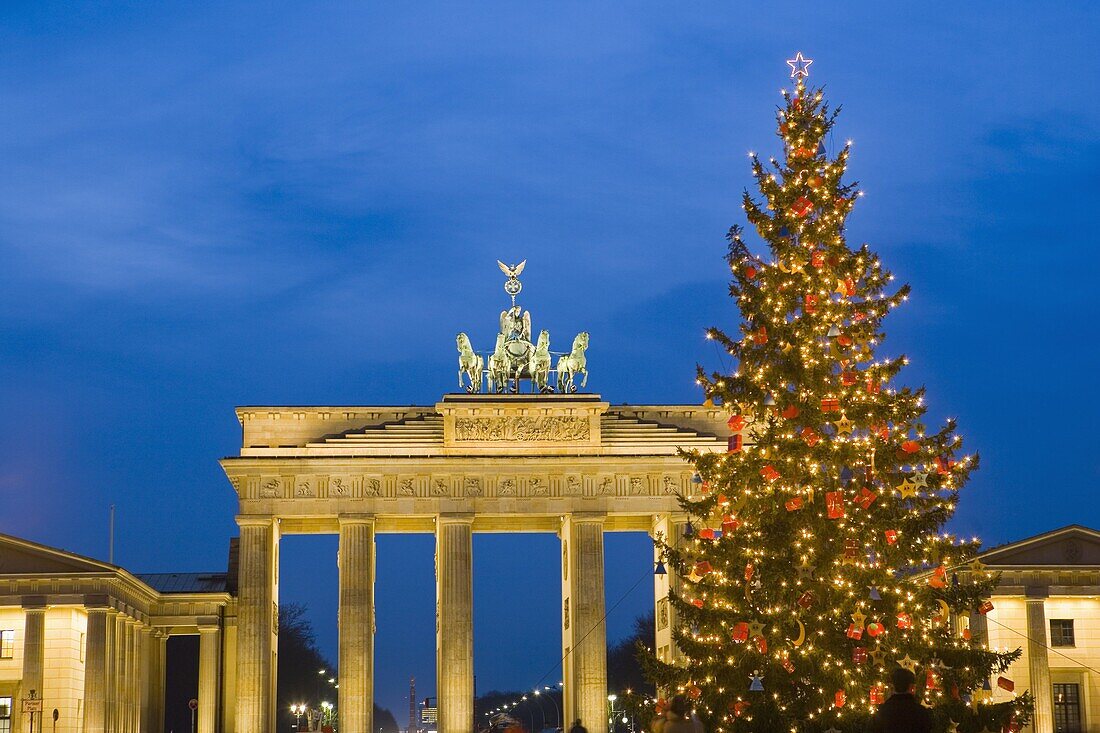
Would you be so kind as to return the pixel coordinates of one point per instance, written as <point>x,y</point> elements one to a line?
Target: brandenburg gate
<point>481,460</point>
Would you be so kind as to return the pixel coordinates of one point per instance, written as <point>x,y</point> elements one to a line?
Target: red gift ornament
<point>810,436</point>
<point>706,533</point>
<point>733,443</point>
<point>874,629</point>
<point>849,287</point>
<point>736,423</point>
<point>854,632</point>
<point>859,655</point>
<point>1006,684</point>
<point>878,694</point>
<point>702,567</point>
<point>698,602</point>
<point>985,607</point>
<point>966,634</point>
<point>848,378</point>
<point>761,644</point>
<point>694,693</point>
<point>851,549</point>
<point>806,599</point>
<point>750,272</point>
<point>943,465</point>
<point>760,337</point>
<point>809,303</point>
<point>817,259</point>
<point>740,707</point>
<point>830,404</point>
<point>802,207</point>
<point>839,699</point>
<point>803,153</point>
<point>787,664</point>
<point>930,680</point>
<point>904,621</point>
<point>834,503</point>
<point>723,500</point>
<point>891,536</point>
<point>815,182</point>
<point>866,498</point>
<point>749,570</point>
<point>910,446</point>
<point>769,473</point>
<point>880,429</point>
<point>740,632</point>
<point>793,505</point>
<point>790,412</point>
<point>844,340</point>
<point>938,579</point>
<point>872,387</point>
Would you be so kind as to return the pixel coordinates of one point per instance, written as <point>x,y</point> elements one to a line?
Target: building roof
<point>185,582</point>
<point>1071,545</point>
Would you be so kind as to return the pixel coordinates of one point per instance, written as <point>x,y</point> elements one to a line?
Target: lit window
<point>5,715</point>
<point>7,644</point>
<point>1061,632</point>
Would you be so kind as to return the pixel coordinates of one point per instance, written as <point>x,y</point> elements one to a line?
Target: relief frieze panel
<point>460,486</point>
<point>522,428</point>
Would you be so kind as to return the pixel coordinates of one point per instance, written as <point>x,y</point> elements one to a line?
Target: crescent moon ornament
<point>801,634</point>
<point>944,614</point>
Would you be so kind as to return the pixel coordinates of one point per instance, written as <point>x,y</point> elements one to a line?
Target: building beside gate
<point>88,639</point>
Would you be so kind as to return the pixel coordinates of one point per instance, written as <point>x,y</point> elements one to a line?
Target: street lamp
<point>297,711</point>
<point>557,711</point>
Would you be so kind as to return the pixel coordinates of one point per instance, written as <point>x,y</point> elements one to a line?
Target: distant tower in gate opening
<point>413,726</point>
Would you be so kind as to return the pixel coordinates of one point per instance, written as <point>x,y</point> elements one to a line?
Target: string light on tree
<point>817,561</point>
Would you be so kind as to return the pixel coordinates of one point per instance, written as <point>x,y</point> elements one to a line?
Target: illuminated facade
<point>90,637</point>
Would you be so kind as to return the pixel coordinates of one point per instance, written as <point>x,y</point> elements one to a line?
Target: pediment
<point>18,557</point>
<point>1069,546</point>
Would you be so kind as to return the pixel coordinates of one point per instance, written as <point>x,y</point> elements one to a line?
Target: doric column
<point>157,679</point>
<point>356,623</point>
<point>117,700</point>
<point>1038,664</point>
<point>145,674</point>
<point>132,681</point>
<point>454,622</point>
<point>584,633</point>
<point>95,669</point>
<point>210,663</point>
<point>114,631</point>
<point>668,529</point>
<point>257,619</point>
<point>34,648</point>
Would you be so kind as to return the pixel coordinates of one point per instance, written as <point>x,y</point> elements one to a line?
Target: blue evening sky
<point>209,204</point>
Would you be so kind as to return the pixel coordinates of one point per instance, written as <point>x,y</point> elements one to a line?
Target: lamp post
<point>611,712</point>
<point>557,711</point>
<point>296,711</point>
<point>542,710</point>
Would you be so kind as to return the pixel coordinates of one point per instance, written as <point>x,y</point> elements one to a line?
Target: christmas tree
<point>815,561</point>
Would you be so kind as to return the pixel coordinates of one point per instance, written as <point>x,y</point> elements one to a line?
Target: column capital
<point>256,520</point>
<point>455,518</point>
<point>586,517</point>
<point>208,624</point>
<point>344,519</point>
<point>1036,593</point>
<point>34,603</point>
<point>96,602</point>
